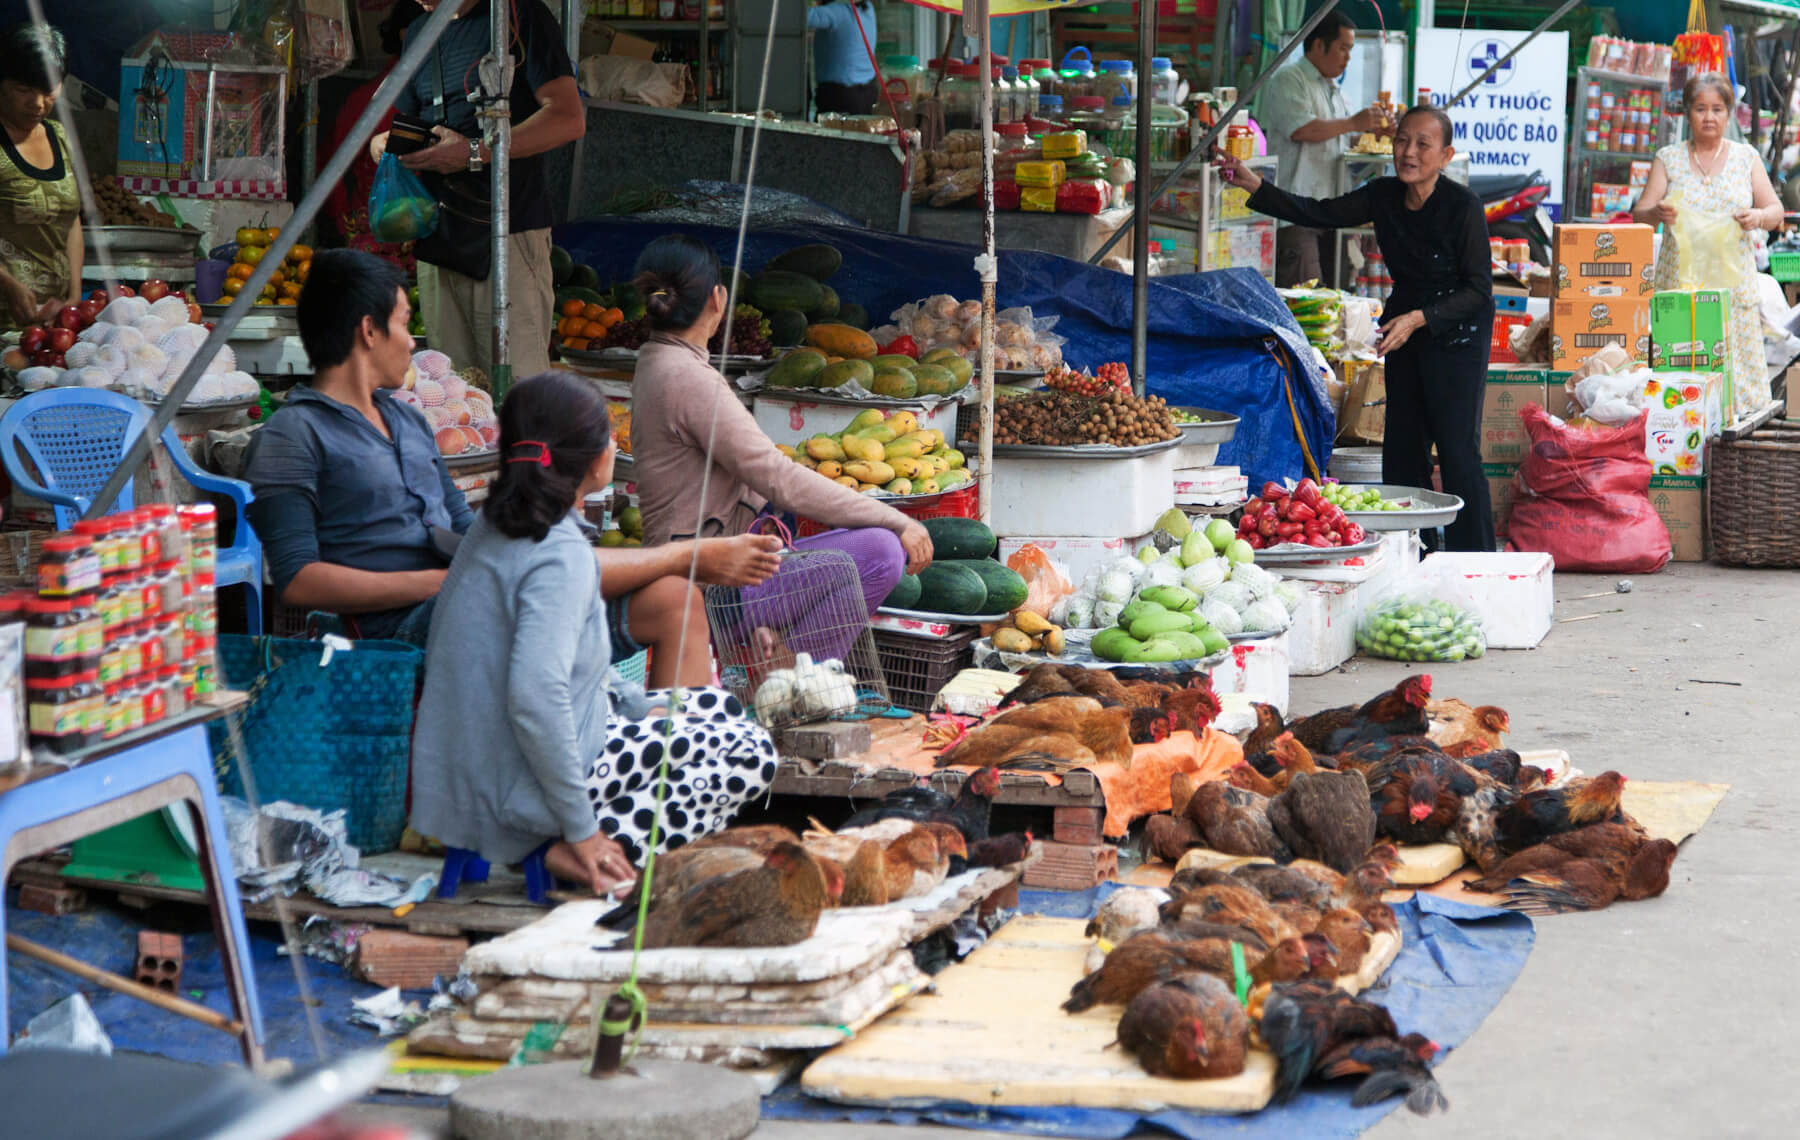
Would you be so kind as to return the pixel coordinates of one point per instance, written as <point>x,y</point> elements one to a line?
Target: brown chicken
<point>1043,681</point>
<point>968,812</point>
<point>1537,816</point>
<point>1151,726</point>
<point>1322,961</point>
<point>1235,821</point>
<point>1611,845</point>
<point>1398,712</point>
<point>1269,725</point>
<point>761,838</point>
<point>1349,934</point>
<point>1143,960</point>
<point>1169,837</point>
<point>1477,826</point>
<point>1294,758</point>
<point>1287,961</point>
<point>1453,723</point>
<point>1242,775</point>
<point>1226,905</point>
<point>1189,1027</point>
<point>1390,1066</point>
<point>913,864</point>
<point>1001,850</point>
<point>1592,885</point>
<point>1182,786</point>
<point>865,876</point>
<point>1303,1022</point>
<point>1282,884</point>
<point>1050,714</point>
<point>776,904</point>
<point>676,873</point>
<point>1146,694</point>
<point>1364,885</point>
<point>1192,709</point>
<point>1018,747</point>
<point>950,840</point>
<point>1325,816</point>
<point>1099,683</point>
<point>1417,794</point>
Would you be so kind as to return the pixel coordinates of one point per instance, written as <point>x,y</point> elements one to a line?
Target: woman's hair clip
<point>542,458</point>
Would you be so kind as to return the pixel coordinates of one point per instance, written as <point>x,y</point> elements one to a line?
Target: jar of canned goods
<point>59,637</point>
<point>131,655</point>
<point>131,706</point>
<point>58,714</point>
<point>165,533</point>
<point>174,637</point>
<point>154,697</point>
<point>174,692</point>
<point>128,536</point>
<point>199,522</point>
<point>156,654</point>
<point>203,606</point>
<point>98,533</point>
<point>190,680</point>
<point>113,710</point>
<point>68,565</point>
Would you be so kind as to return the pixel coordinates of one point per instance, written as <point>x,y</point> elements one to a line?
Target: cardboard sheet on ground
<point>1456,964</point>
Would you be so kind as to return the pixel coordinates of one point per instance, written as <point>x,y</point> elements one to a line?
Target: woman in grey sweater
<point>527,738</point>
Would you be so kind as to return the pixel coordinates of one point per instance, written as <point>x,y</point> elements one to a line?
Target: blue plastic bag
<point>400,208</point>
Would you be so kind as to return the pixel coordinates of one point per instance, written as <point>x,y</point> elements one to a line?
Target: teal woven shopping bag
<point>325,730</point>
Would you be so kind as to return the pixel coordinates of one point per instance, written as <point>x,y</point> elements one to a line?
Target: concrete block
<point>833,740</point>
<point>653,1100</point>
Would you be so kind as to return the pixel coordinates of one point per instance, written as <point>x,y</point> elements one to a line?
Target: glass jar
<point>131,589</point>
<point>1165,82</point>
<point>131,706</point>
<point>1075,81</point>
<point>174,692</point>
<point>92,697</point>
<point>154,697</point>
<point>200,523</point>
<point>1050,107</point>
<point>131,656</point>
<point>55,631</point>
<point>164,543</point>
<point>128,531</point>
<point>1116,77</point>
<point>98,533</point>
<point>960,94</point>
<point>110,603</point>
<point>12,606</point>
<point>190,681</point>
<point>114,710</point>
<point>68,565</point>
<point>155,652</point>
<point>58,714</point>
<point>203,606</point>
<point>171,590</point>
<point>206,666</point>
<point>1086,113</point>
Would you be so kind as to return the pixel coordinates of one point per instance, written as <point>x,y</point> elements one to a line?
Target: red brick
<point>159,960</point>
<point>1072,867</point>
<point>52,900</point>
<point>1077,825</point>
<point>410,961</point>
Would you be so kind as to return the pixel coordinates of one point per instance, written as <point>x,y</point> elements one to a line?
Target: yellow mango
<point>928,438</point>
<point>900,487</point>
<point>831,469</point>
<point>865,488</point>
<point>905,449</point>
<point>905,423</point>
<point>926,487</point>
<point>880,433</point>
<point>849,481</point>
<point>953,478</point>
<point>823,447</point>
<point>870,472</point>
<point>807,462</point>
<point>867,418</point>
<point>787,450</point>
<point>907,468</point>
<point>955,457</point>
<point>856,447</point>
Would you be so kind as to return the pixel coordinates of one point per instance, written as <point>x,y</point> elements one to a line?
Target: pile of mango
<point>885,454</point>
<point>836,355</point>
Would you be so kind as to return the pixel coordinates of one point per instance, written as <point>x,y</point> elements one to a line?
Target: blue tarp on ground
<point>1456,962</point>
<point>1218,340</point>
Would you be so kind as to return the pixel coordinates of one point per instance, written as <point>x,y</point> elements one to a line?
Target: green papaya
<point>895,383</point>
<point>843,372</point>
<point>934,381</point>
<point>796,370</point>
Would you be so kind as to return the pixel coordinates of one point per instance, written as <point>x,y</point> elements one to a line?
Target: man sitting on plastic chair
<point>360,518</point>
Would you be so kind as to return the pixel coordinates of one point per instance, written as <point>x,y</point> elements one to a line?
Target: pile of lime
<point>1183,417</point>
<point>1350,498</point>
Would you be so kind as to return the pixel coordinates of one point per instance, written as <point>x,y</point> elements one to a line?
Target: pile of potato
<point>1024,631</point>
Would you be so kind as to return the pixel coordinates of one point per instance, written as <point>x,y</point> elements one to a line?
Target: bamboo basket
<point>1754,498</point>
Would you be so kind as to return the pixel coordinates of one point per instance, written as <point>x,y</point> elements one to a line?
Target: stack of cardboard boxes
<point>1690,400</point>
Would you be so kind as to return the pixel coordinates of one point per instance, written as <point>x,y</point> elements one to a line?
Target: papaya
<point>562,266</point>
<point>893,360</point>
<point>775,289</point>
<point>786,326</point>
<point>895,383</point>
<point>1149,625</point>
<point>797,369</point>
<point>827,309</point>
<point>962,369</point>
<point>867,418</point>
<point>577,293</point>
<point>1155,650</point>
<point>844,372</point>
<point>933,380</point>
<point>842,340</point>
<point>819,262</point>
<point>854,315</point>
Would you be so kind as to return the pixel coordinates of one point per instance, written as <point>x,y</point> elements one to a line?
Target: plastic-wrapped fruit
<point>458,411</point>
<point>451,441</point>
<point>430,392</point>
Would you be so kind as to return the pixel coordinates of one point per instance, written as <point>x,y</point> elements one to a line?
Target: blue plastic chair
<point>75,437</point>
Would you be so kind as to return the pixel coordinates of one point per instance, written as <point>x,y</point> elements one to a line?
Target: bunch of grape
<point>629,334</point>
<point>750,334</point>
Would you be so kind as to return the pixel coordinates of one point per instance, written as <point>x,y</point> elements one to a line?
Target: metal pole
<point>574,15</point>
<point>497,111</point>
<point>417,48</point>
<point>1140,216</point>
<point>1517,48</point>
<point>309,137</point>
<point>987,266</point>
<point>1203,149</point>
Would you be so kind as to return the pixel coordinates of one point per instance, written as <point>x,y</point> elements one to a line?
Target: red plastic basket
<point>962,503</point>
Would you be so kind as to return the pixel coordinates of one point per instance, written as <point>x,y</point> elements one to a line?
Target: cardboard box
<point>1365,402</point>
<point>1681,502</point>
<point>1691,331</point>
<point>1503,438</point>
<point>1558,400</point>
<point>1594,260</point>
<point>1686,409</point>
<point>1500,492</point>
<point>1582,326</point>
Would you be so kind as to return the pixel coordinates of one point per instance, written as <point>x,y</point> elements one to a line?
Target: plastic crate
<point>962,503</point>
<point>1784,264</point>
<point>917,667</point>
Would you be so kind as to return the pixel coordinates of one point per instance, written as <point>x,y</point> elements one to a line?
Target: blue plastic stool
<point>56,806</point>
<point>462,865</point>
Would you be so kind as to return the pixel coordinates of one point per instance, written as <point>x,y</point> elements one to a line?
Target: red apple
<point>43,355</point>
<point>33,338</point>
<point>56,360</point>
<point>124,291</point>
<point>90,311</point>
<point>61,338</point>
<point>154,290</point>
<point>178,293</point>
<point>69,317</point>
<point>98,295</point>
<point>194,313</point>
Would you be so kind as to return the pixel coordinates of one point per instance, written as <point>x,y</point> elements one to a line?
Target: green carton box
<point>1691,331</point>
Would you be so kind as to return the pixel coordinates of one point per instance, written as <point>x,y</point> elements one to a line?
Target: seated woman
<point>705,468</point>
<point>526,737</point>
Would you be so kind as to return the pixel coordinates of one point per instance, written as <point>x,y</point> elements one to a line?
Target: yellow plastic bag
<point>1712,249</point>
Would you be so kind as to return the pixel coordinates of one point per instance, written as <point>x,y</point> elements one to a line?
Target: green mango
<point>1192,647</point>
<point>1213,640</point>
<point>1113,644</point>
<point>1154,650</point>
<point>1177,598</point>
<point>1143,607</point>
<point>1150,625</point>
<point>1174,523</point>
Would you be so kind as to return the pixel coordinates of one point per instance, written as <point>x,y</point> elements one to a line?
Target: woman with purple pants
<point>704,467</point>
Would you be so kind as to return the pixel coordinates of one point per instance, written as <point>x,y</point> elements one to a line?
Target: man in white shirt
<point>1305,118</point>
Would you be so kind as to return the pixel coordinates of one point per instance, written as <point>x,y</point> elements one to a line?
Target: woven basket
<point>1754,503</point>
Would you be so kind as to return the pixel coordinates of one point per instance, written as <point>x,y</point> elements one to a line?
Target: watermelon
<point>905,594</point>
<point>960,538</point>
<point>1005,588</point>
<point>951,589</point>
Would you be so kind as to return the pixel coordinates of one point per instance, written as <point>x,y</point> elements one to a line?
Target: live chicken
<point>1189,1027</point>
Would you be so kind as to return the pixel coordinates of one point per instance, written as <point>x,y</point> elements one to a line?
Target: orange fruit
<point>269,235</point>
<point>251,255</point>
<point>240,271</point>
<point>300,253</point>
<point>278,279</point>
<point>232,285</point>
<point>578,343</point>
<point>593,312</point>
<point>572,308</point>
<point>614,316</point>
<point>593,330</point>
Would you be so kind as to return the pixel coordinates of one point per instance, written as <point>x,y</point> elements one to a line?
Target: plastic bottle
<point>1013,106</point>
<point>1050,107</point>
<point>1165,82</point>
<point>1116,77</point>
<point>1027,90</point>
<point>1049,83</point>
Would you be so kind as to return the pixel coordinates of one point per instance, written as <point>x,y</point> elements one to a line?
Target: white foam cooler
<point>1515,593</point>
<point>1256,669</point>
<point>1323,635</point>
<point>1063,496</point>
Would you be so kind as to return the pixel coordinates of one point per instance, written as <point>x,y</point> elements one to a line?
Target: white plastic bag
<point>1712,249</point>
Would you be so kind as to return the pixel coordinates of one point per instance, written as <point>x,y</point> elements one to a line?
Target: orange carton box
<point>1582,326</point>
<point>1595,260</point>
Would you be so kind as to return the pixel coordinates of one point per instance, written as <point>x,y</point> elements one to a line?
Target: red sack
<point>1583,497</point>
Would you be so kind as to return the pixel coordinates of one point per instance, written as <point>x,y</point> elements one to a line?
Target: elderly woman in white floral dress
<point>1711,174</point>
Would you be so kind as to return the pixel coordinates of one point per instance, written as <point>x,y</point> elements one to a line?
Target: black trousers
<point>1434,395</point>
<point>846,100</point>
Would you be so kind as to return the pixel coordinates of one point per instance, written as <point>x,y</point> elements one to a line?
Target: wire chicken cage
<point>798,648</point>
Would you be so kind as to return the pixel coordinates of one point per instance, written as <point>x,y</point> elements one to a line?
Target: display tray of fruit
<point>886,455</point>
<point>941,617</point>
<point>1300,524</point>
<point>963,584</point>
<point>247,252</point>
<point>1084,416</point>
<point>1202,425</point>
<point>1388,506</point>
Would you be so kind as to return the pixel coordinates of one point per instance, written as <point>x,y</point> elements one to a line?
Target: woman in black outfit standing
<point>1437,326</point>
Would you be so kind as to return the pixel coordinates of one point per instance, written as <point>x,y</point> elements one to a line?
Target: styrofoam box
<point>1078,497</point>
<point>1258,670</point>
<point>1196,454</point>
<point>1515,593</point>
<point>1361,568</point>
<point>793,421</point>
<point>1400,553</point>
<point>1074,556</point>
<point>1323,635</point>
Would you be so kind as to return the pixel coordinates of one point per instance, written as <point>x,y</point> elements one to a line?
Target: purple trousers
<point>814,614</point>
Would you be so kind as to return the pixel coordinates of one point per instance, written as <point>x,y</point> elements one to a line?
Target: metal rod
<point>574,15</point>
<point>194,1011</point>
<point>989,270</point>
<point>1203,148</point>
<point>1140,206</point>
<point>417,48</point>
<point>497,111</point>
<point>309,137</point>
<point>1517,48</point>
